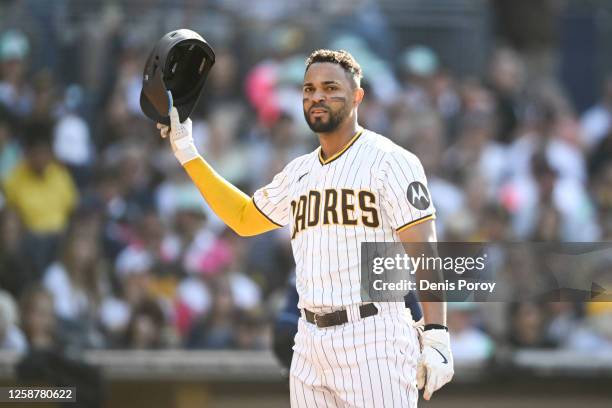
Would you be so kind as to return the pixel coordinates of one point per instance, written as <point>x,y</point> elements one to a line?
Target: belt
<point>338,317</point>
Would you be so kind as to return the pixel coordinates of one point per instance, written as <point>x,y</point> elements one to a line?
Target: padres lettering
<point>332,207</point>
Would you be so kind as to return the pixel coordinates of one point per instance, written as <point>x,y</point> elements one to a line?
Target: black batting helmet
<point>174,74</point>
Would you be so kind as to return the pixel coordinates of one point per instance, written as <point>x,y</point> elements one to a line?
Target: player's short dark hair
<point>340,57</point>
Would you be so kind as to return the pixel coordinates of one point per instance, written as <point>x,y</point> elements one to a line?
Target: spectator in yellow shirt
<point>42,193</point>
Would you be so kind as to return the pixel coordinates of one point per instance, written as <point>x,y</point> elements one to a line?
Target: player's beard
<point>318,125</point>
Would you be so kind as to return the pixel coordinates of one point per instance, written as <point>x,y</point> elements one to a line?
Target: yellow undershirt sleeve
<point>234,207</point>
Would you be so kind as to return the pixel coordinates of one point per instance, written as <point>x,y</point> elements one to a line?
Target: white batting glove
<point>181,139</point>
<point>435,366</point>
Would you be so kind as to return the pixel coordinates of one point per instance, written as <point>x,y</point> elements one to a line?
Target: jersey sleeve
<point>272,200</point>
<point>405,196</point>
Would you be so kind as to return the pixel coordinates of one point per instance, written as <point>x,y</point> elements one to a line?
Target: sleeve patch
<point>418,196</point>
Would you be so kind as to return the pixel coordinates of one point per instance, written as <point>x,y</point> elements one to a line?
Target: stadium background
<point>113,268</point>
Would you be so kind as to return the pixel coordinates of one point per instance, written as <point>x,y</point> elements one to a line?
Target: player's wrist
<point>434,326</point>
<point>186,153</point>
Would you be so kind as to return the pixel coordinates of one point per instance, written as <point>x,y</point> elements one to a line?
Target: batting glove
<point>181,139</point>
<point>435,366</point>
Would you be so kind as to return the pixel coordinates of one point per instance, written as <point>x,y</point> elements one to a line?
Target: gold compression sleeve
<point>234,207</point>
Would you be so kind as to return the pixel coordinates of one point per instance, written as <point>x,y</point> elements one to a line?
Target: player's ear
<point>358,95</point>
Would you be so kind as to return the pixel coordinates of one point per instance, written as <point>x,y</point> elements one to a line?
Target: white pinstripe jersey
<point>367,192</point>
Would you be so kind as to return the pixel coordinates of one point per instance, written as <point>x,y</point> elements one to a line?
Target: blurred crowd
<point>105,243</point>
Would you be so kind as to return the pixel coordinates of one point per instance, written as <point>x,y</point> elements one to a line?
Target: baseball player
<point>358,186</point>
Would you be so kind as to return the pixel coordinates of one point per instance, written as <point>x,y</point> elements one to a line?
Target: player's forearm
<point>433,301</point>
<point>419,240</point>
<point>234,207</point>
<point>434,312</point>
